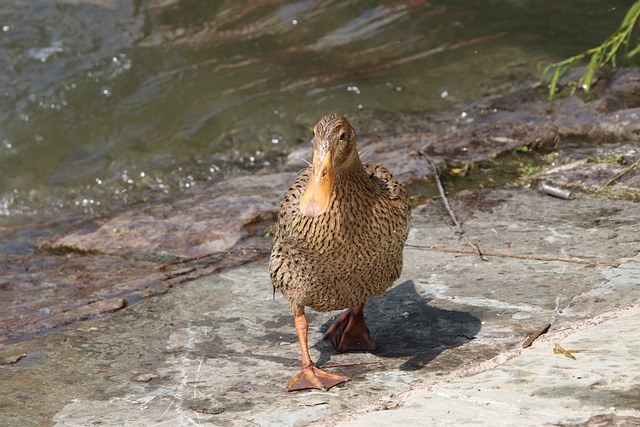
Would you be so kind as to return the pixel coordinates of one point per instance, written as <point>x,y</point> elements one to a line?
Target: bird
<point>339,241</point>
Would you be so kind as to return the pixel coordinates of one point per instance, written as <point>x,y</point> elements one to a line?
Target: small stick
<point>188,260</point>
<point>338,365</point>
<point>621,174</point>
<point>163,267</point>
<point>531,257</point>
<point>452,214</point>
<point>534,336</point>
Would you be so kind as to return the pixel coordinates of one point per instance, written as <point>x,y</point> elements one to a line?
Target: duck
<point>339,241</point>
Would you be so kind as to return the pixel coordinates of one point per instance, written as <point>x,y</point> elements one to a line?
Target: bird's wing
<point>387,183</point>
<point>291,201</point>
<point>289,206</point>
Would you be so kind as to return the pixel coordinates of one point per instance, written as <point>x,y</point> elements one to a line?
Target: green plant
<point>529,169</point>
<point>268,231</point>
<point>606,52</point>
<point>617,159</point>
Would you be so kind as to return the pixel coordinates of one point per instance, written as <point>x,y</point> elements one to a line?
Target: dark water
<point>108,101</point>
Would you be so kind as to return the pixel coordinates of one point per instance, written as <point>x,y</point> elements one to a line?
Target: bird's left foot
<point>313,377</point>
<point>349,332</point>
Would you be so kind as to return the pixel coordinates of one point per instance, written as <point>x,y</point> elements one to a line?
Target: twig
<point>532,257</point>
<point>163,267</point>
<point>534,336</point>
<point>452,214</point>
<point>338,365</point>
<point>621,174</point>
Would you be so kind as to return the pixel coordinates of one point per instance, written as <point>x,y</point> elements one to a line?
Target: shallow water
<point>111,101</point>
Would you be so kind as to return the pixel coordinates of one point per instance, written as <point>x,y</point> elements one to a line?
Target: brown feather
<point>351,252</point>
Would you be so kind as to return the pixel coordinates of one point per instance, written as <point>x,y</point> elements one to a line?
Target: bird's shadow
<point>403,325</point>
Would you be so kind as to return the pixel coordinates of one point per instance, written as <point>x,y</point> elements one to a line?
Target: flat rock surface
<point>219,350</point>
<point>69,269</point>
<point>600,387</point>
<point>162,313</point>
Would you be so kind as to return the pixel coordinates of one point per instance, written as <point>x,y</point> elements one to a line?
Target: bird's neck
<point>351,168</point>
<point>352,176</point>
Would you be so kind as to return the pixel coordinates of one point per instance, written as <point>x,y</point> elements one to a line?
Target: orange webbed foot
<point>313,377</point>
<point>349,332</point>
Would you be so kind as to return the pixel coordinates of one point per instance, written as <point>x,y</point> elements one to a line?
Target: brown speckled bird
<point>341,231</point>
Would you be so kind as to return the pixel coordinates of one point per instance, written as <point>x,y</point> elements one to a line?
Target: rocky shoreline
<point>162,312</point>
<point>100,265</point>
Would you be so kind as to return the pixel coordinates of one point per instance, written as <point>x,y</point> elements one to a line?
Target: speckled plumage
<point>353,250</point>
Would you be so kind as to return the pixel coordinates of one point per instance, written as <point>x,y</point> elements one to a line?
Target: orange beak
<point>317,195</point>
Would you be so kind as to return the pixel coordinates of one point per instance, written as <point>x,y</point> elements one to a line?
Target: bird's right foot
<point>349,332</point>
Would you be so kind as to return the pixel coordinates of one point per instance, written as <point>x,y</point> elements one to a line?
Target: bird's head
<point>334,148</point>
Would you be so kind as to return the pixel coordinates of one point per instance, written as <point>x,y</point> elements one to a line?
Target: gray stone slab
<point>538,387</point>
<point>219,350</point>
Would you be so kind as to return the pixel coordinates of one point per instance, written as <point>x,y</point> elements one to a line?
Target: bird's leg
<point>349,332</point>
<point>310,376</point>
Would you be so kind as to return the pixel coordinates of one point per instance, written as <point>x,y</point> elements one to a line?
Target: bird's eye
<point>343,136</point>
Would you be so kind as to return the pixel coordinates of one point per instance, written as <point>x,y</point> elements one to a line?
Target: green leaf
<point>633,52</point>
<point>605,53</point>
<point>631,15</point>
<point>553,83</point>
<point>594,63</point>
